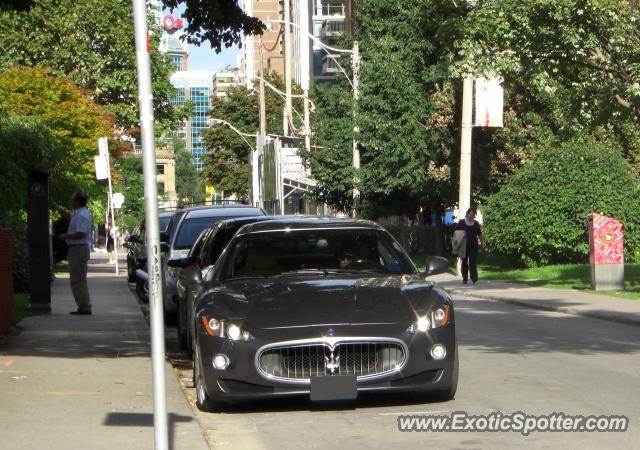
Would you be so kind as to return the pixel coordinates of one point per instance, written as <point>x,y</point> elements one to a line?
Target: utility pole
<point>355,64</point>
<point>263,112</point>
<point>145,101</point>
<point>464,199</point>
<point>287,67</point>
<point>307,122</point>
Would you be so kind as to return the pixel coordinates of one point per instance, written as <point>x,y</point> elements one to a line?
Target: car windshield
<point>190,229</point>
<point>315,251</point>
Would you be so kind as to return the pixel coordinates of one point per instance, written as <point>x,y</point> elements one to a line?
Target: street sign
<point>489,103</point>
<point>103,146</point>
<point>102,170</point>
<point>118,200</point>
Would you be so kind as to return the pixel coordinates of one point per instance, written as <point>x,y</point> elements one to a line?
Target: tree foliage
<point>226,165</point>
<point>541,213</point>
<point>91,42</point>
<point>130,182</point>
<point>53,126</point>
<point>220,22</point>
<point>189,187</point>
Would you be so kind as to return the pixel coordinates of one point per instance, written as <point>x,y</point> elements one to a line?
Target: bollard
<point>606,253</point>
<point>7,301</point>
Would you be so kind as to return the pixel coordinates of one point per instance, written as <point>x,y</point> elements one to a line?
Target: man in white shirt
<point>78,238</point>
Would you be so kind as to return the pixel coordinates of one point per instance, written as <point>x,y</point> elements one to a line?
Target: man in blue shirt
<point>78,238</point>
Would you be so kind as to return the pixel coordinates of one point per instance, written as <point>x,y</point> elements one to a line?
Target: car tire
<point>170,318</point>
<point>142,290</point>
<point>203,401</point>
<point>131,272</point>
<point>182,326</point>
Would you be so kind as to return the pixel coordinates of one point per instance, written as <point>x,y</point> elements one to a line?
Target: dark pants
<point>469,264</point>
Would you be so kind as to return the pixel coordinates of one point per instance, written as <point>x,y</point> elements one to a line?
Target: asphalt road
<point>512,359</point>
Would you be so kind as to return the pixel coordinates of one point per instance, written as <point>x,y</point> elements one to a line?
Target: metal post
<point>307,122</point>
<point>263,113</point>
<point>464,199</point>
<point>111,212</point>
<point>287,67</point>
<point>145,98</point>
<point>355,63</point>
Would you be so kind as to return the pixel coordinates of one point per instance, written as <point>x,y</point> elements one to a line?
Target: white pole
<point>110,209</point>
<point>307,122</point>
<point>287,68</point>
<point>464,199</point>
<point>145,99</point>
<point>355,62</point>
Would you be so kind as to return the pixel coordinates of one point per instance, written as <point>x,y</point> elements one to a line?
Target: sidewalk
<point>561,300</point>
<point>79,382</point>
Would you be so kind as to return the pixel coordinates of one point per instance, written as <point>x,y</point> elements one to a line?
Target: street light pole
<point>287,67</point>
<point>464,199</point>
<point>145,100</point>
<point>355,62</point>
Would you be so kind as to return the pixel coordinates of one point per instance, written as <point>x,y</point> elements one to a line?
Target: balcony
<point>329,9</point>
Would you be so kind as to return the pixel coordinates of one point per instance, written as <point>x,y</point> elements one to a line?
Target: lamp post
<point>355,63</point>
<point>254,180</point>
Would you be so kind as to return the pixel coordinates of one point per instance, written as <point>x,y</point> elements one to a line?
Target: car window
<point>216,243</point>
<point>190,229</point>
<point>357,250</point>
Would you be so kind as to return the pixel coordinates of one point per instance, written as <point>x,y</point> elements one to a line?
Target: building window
<point>176,60</point>
<point>160,169</point>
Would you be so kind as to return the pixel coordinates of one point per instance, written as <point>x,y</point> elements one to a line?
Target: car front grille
<point>300,362</point>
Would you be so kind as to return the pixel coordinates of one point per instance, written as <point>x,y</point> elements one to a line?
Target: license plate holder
<point>337,387</point>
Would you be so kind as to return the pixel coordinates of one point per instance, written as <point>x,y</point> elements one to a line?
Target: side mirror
<point>164,247</point>
<point>135,239</point>
<point>164,236</point>
<point>190,274</point>
<point>183,263</point>
<point>436,265</point>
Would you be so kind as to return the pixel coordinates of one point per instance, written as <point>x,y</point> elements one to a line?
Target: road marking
<point>401,413</point>
<point>64,393</point>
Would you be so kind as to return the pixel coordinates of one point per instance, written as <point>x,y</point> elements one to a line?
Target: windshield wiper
<point>304,272</point>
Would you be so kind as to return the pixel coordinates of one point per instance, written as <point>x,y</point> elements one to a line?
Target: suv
<point>186,226</point>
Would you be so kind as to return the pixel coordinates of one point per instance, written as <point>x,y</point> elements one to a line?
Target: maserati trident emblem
<point>331,332</point>
<point>332,363</point>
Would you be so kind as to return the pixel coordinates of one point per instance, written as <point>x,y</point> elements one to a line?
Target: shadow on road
<point>125,419</point>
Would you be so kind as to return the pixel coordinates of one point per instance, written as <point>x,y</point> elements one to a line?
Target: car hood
<point>283,302</point>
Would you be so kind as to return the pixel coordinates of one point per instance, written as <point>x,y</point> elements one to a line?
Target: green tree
<point>226,165</point>
<point>189,187</point>
<point>91,42</point>
<point>541,213</point>
<point>130,182</point>
<point>65,126</point>
<point>220,22</point>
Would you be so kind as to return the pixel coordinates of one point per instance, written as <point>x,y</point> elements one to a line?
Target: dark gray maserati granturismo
<point>325,308</point>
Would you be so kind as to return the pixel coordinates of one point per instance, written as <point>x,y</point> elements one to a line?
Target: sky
<point>203,57</point>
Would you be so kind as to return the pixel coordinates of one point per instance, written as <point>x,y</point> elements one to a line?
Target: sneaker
<point>464,281</point>
<point>81,312</point>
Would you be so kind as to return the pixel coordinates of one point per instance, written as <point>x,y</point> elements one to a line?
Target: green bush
<point>541,213</point>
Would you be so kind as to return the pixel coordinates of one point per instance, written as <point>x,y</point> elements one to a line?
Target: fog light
<point>438,351</point>
<point>220,361</point>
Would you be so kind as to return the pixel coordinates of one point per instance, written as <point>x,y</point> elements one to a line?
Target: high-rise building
<point>195,86</point>
<point>326,20</point>
<point>226,79</point>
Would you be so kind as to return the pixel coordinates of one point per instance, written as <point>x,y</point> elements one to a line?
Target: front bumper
<point>241,380</point>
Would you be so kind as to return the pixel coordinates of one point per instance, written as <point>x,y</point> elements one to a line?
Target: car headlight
<point>433,319</point>
<point>220,328</point>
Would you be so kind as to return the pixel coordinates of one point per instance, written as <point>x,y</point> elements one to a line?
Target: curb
<point>602,315</point>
